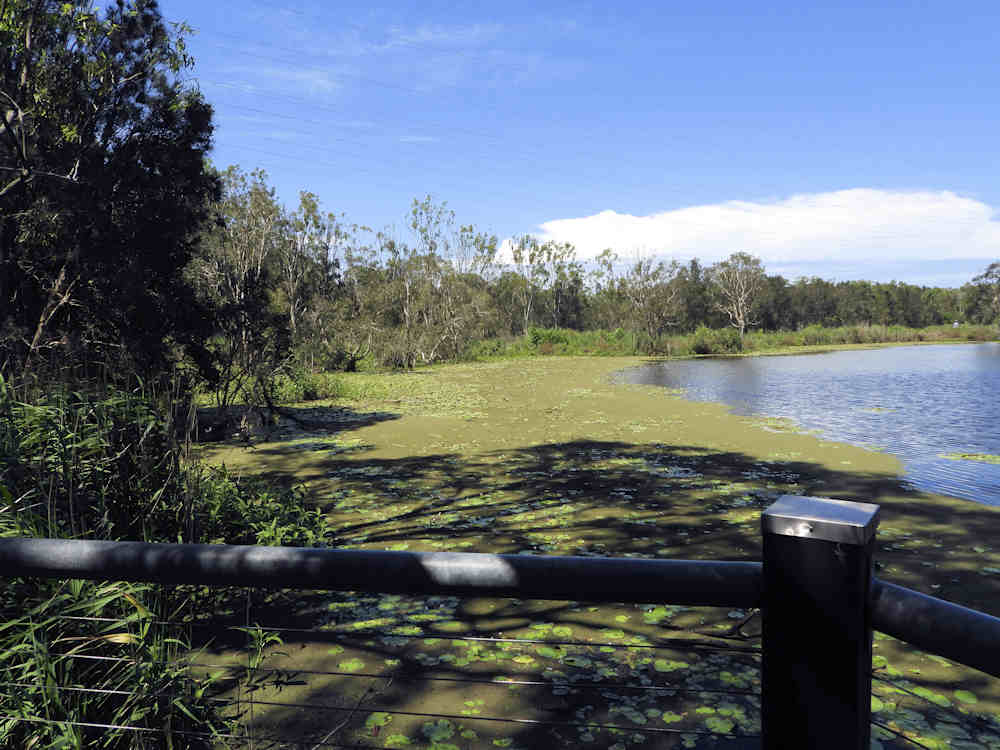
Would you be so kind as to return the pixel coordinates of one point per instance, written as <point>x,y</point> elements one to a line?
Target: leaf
<point>377,719</point>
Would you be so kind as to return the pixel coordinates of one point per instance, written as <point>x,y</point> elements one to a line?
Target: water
<point>915,402</point>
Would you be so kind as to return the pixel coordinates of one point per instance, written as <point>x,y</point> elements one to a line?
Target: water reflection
<point>915,402</point>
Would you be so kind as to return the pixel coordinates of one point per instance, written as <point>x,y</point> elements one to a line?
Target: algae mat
<point>549,456</point>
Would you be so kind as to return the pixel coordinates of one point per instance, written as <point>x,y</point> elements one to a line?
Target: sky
<point>848,140</point>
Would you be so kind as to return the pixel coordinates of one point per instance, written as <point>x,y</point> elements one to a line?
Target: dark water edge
<point>915,402</point>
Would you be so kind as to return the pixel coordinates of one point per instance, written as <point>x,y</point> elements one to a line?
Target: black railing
<point>813,586</point>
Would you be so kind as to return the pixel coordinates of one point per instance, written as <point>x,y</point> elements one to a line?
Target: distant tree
<point>561,284</point>
<point>694,295</point>
<point>651,290</point>
<point>103,184</point>
<point>990,278</point>
<point>814,302</point>
<point>857,303</point>
<point>237,272</point>
<point>738,282</point>
<point>774,308</point>
<point>529,264</point>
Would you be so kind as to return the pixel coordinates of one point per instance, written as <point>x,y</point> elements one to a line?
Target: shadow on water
<point>617,666</point>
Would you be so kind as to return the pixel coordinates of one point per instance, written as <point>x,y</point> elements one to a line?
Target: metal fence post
<point>817,630</point>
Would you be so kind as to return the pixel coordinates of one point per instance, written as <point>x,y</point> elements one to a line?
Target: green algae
<point>981,457</point>
<point>690,484</point>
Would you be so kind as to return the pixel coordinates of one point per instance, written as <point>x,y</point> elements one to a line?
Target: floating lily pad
<point>435,731</point>
<point>378,719</point>
<point>351,665</point>
<point>931,696</point>
<point>666,665</point>
<point>719,724</point>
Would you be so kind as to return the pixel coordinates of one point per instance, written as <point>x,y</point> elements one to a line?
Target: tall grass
<point>108,464</point>
<point>709,341</point>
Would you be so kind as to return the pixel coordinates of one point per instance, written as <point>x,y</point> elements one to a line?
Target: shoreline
<point>479,411</point>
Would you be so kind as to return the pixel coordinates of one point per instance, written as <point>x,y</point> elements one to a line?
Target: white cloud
<point>843,227</point>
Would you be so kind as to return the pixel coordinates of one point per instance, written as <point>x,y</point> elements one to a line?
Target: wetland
<point>552,455</point>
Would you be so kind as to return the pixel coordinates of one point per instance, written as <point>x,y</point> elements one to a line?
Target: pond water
<point>916,402</point>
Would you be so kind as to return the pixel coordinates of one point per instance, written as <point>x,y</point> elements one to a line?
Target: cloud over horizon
<point>845,227</point>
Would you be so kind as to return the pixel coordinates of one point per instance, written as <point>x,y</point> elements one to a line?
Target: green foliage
<point>108,465</point>
<point>249,511</point>
<point>715,341</point>
<point>558,341</point>
<point>124,669</point>
<point>103,187</point>
<point>302,385</point>
<point>710,341</point>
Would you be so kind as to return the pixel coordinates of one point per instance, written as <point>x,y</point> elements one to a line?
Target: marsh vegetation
<point>151,300</point>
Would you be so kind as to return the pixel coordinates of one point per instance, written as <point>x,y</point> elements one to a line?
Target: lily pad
<point>719,724</point>
<point>435,731</point>
<point>377,719</point>
<point>666,665</point>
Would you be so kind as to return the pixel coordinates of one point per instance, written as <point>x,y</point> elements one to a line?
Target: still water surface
<point>915,402</point>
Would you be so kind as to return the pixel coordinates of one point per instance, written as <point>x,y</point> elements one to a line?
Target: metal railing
<point>814,583</point>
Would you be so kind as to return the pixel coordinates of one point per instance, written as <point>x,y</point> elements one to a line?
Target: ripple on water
<point>918,403</point>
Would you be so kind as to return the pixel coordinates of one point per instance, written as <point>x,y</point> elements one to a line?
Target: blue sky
<point>845,141</point>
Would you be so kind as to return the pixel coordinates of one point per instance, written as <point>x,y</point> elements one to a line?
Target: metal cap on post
<point>817,634</point>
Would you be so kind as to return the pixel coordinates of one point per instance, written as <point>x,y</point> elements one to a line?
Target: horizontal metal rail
<point>934,625</point>
<point>587,579</point>
<point>964,635</point>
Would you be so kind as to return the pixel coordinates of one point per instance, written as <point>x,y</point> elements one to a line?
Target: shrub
<point>302,385</point>
<point>109,466</point>
<point>551,336</point>
<point>716,341</point>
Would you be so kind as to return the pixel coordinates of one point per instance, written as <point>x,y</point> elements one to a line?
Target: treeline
<point>307,289</point>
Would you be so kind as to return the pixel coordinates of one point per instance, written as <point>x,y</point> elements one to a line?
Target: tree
<point>529,265</point>
<point>103,185</point>
<point>990,278</point>
<point>694,295</point>
<point>653,295</point>
<point>237,273</point>
<point>738,281</point>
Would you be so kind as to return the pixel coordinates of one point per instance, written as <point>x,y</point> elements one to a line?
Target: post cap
<point>821,518</point>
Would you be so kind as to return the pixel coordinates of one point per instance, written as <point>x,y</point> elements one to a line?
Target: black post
<point>817,636</point>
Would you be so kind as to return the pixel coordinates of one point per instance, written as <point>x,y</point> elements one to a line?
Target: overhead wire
<point>417,714</point>
<point>678,644</point>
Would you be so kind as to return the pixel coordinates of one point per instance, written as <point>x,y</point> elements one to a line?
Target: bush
<point>109,466</point>
<point>250,511</point>
<point>552,336</point>
<point>716,341</point>
<point>302,385</point>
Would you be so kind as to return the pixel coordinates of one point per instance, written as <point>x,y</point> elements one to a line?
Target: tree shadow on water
<point>430,671</point>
